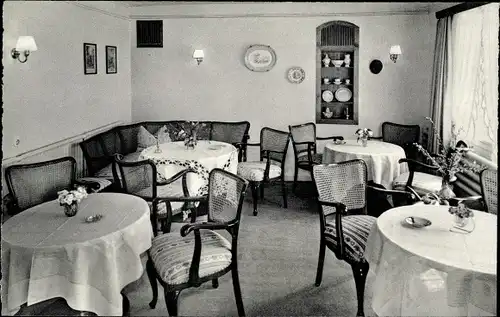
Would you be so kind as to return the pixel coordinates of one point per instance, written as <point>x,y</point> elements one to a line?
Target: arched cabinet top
<point>337,33</point>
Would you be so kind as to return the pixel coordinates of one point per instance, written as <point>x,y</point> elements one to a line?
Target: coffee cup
<point>337,81</point>
<point>347,81</point>
<point>326,80</point>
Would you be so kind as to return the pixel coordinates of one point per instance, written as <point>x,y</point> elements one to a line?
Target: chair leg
<point>262,191</point>
<point>255,194</point>
<point>294,188</point>
<point>321,262</point>
<point>171,301</point>
<point>283,188</point>
<point>150,269</point>
<point>237,289</point>
<point>125,305</point>
<point>360,270</point>
<point>215,283</point>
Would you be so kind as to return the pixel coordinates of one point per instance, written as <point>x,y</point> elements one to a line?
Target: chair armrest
<point>95,184</point>
<point>253,144</point>
<point>172,179</point>
<point>335,137</point>
<point>188,228</point>
<point>340,209</point>
<point>376,137</point>
<point>413,163</point>
<point>305,142</point>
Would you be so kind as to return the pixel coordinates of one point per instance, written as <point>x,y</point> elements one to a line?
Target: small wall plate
<point>376,66</point>
<point>296,75</point>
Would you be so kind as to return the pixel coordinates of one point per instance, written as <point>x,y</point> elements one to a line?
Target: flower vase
<point>71,210</point>
<point>347,60</point>
<point>446,192</point>
<point>326,61</point>
<point>460,221</point>
<point>364,142</point>
<point>158,149</point>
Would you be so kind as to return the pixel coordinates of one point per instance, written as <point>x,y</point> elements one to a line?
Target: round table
<point>207,155</point>
<point>46,254</point>
<point>381,158</point>
<point>433,271</point>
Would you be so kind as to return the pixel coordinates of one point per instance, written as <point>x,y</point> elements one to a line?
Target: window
<point>473,99</point>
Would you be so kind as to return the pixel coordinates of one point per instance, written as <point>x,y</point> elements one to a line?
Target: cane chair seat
<point>172,255</point>
<point>254,170</point>
<point>317,158</point>
<point>355,230</point>
<point>422,183</point>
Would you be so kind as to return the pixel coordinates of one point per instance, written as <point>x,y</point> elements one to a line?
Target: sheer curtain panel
<point>474,78</point>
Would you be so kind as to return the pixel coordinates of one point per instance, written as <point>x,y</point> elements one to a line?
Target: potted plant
<point>363,135</point>
<point>71,199</point>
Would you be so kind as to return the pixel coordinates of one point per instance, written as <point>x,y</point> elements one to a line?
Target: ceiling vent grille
<point>150,33</point>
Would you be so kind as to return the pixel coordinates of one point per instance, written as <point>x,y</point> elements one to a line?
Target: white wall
<point>49,98</point>
<point>167,83</point>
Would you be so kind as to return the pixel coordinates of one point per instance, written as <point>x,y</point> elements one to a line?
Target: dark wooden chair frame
<point>360,269</point>
<point>265,154</point>
<point>311,150</point>
<point>172,295</point>
<point>165,220</point>
<point>241,146</point>
<point>399,198</point>
<point>13,206</point>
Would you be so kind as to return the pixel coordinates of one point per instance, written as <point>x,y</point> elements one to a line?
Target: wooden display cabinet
<point>337,39</point>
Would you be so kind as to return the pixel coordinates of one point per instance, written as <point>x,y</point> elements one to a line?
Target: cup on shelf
<point>337,81</point>
<point>347,81</point>
<point>326,80</point>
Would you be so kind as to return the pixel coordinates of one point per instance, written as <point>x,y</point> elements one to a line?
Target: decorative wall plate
<point>343,94</point>
<point>260,58</point>
<point>327,96</point>
<point>296,75</point>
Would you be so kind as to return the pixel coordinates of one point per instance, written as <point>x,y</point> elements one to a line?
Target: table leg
<point>125,305</point>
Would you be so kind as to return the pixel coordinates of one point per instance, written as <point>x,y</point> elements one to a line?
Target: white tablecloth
<point>46,254</point>
<point>381,158</point>
<point>432,271</point>
<point>207,155</point>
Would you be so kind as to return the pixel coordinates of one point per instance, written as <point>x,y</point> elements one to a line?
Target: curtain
<point>440,75</point>
<point>474,78</point>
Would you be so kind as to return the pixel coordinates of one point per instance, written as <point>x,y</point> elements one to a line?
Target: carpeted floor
<point>278,254</point>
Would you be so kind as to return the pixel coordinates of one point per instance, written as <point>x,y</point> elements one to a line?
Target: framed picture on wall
<point>111,60</point>
<point>89,58</point>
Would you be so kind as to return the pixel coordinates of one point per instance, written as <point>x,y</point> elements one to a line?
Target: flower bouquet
<point>449,160</point>
<point>190,136</point>
<point>363,135</point>
<point>462,214</point>
<point>70,199</point>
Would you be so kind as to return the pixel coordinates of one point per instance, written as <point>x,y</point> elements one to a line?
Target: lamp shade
<point>395,49</point>
<point>26,43</point>
<point>198,54</point>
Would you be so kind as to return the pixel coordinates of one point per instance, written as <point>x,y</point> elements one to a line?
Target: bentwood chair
<point>235,133</point>
<point>35,183</point>
<point>165,199</point>
<point>402,135</point>
<point>273,147</point>
<point>199,254</point>
<point>304,147</point>
<point>342,192</point>
<point>423,178</point>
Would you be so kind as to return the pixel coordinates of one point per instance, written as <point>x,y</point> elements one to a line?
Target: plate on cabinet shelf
<point>327,95</point>
<point>343,94</point>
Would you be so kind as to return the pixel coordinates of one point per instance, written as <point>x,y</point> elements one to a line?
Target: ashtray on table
<point>417,222</point>
<point>93,218</point>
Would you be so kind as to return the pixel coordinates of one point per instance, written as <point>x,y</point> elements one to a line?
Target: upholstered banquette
<point>99,150</point>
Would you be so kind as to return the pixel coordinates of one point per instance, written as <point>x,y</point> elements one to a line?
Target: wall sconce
<point>25,44</point>
<point>198,55</point>
<point>394,52</point>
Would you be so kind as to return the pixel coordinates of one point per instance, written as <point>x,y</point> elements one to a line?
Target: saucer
<point>417,222</point>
